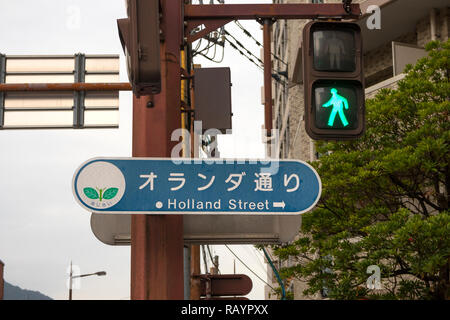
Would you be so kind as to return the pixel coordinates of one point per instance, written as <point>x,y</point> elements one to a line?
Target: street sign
<point>196,186</point>
<point>59,109</point>
<point>115,229</point>
<point>216,285</point>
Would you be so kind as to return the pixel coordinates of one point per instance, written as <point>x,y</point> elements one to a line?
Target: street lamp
<point>99,273</point>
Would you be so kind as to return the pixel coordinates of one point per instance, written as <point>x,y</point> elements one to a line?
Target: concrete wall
<point>378,63</point>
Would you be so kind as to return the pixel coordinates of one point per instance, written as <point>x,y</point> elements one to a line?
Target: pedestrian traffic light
<point>139,35</point>
<point>333,80</point>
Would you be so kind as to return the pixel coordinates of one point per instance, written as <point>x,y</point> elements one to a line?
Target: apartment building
<point>393,37</point>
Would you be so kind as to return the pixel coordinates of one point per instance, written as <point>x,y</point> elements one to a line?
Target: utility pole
<point>157,240</point>
<point>70,281</point>
<point>195,272</point>
<point>267,32</point>
<point>2,283</point>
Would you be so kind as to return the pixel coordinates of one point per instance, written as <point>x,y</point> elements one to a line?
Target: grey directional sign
<point>59,109</point>
<point>113,229</point>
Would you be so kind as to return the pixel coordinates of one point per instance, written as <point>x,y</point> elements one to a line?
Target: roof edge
<point>366,4</point>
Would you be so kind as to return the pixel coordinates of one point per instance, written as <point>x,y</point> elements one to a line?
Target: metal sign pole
<point>157,241</point>
<point>267,31</point>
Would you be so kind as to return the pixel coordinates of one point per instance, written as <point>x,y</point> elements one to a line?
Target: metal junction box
<point>212,98</point>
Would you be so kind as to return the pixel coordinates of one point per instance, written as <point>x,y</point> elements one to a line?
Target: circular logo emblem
<point>100,185</point>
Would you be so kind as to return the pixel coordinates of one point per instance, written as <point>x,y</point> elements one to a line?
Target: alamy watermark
<point>186,141</point>
<point>374,20</point>
<point>374,281</point>
<point>73,17</point>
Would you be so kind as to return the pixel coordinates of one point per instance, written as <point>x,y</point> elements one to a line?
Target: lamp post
<point>99,273</point>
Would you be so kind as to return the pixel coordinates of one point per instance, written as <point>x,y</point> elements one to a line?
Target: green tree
<point>385,196</point>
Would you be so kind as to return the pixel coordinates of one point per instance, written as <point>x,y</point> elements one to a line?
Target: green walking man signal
<point>338,102</point>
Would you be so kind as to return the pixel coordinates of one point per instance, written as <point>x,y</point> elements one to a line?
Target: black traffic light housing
<point>333,80</point>
<point>140,38</point>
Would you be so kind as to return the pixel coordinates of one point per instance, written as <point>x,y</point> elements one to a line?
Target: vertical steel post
<point>2,283</point>
<point>157,240</point>
<point>2,94</point>
<point>267,30</point>
<point>195,249</point>
<point>70,281</point>
<point>80,72</point>
<point>187,272</point>
<point>195,272</point>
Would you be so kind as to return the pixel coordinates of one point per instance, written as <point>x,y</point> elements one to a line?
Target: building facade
<point>394,35</point>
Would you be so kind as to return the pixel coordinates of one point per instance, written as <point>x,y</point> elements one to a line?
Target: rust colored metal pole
<point>195,249</point>
<point>195,273</point>
<point>267,30</point>
<point>157,240</point>
<point>120,86</point>
<point>264,11</point>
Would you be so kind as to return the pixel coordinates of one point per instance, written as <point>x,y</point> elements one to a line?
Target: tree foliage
<point>385,196</point>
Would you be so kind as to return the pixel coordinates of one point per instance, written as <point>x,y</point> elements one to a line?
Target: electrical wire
<point>251,251</point>
<point>248,34</point>
<point>237,43</point>
<point>205,48</point>
<point>243,47</point>
<point>249,268</point>
<point>243,54</point>
<point>212,42</point>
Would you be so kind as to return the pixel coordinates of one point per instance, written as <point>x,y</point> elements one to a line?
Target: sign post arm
<point>263,11</point>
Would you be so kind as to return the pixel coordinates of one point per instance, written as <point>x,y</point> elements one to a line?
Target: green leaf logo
<point>91,193</point>
<point>110,193</point>
<point>100,194</point>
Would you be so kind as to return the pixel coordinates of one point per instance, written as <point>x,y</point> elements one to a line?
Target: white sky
<point>42,228</point>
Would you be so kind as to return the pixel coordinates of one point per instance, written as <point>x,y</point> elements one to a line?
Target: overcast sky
<point>42,228</point>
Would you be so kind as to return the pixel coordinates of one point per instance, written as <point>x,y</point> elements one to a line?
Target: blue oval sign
<point>195,186</point>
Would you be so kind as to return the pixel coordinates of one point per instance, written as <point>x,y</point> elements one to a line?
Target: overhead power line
<point>236,45</point>
<point>243,53</point>
<point>243,47</point>
<point>248,34</point>
<point>213,41</point>
<point>275,75</point>
<point>234,254</point>
<point>251,57</point>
